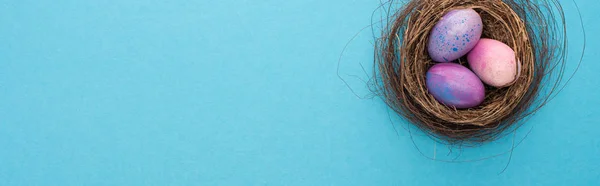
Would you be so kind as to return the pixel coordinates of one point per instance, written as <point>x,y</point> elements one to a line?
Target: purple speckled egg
<point>454,35</point>
<point>455,85</point>
<point>494,62</point>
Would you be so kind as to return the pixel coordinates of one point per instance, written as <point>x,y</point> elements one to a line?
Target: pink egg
<point>455,85</point>
<point>454,35</point>
<point>494,62</point>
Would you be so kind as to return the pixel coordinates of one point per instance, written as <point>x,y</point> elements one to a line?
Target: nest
<point>528,27</point>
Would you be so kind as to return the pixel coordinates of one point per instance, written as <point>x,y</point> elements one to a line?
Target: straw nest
<point>529,27</point>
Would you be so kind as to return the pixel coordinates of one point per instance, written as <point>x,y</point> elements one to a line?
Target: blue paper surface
<point>237,92</point>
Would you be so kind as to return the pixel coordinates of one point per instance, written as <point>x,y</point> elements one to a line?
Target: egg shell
<point>454,35</point>
<point>455,85</point>
<point>494,62</point>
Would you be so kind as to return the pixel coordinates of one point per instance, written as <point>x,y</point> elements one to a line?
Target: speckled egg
<point>454,35</point>
<point>455,85</point>
<point>494,62</point>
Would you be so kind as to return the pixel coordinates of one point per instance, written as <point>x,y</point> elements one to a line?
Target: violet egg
<point>454,35</point>
<point>494,62</point>
<point>455,85</point>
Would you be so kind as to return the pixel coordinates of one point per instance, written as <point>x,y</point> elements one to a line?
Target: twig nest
<point>403,60</point>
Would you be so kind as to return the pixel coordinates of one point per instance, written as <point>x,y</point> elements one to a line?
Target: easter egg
<point>455,85</point>
<point>494,62</point>
<point>454,35</point>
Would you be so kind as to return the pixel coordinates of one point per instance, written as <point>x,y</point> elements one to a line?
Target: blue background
<point>238,92</point>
